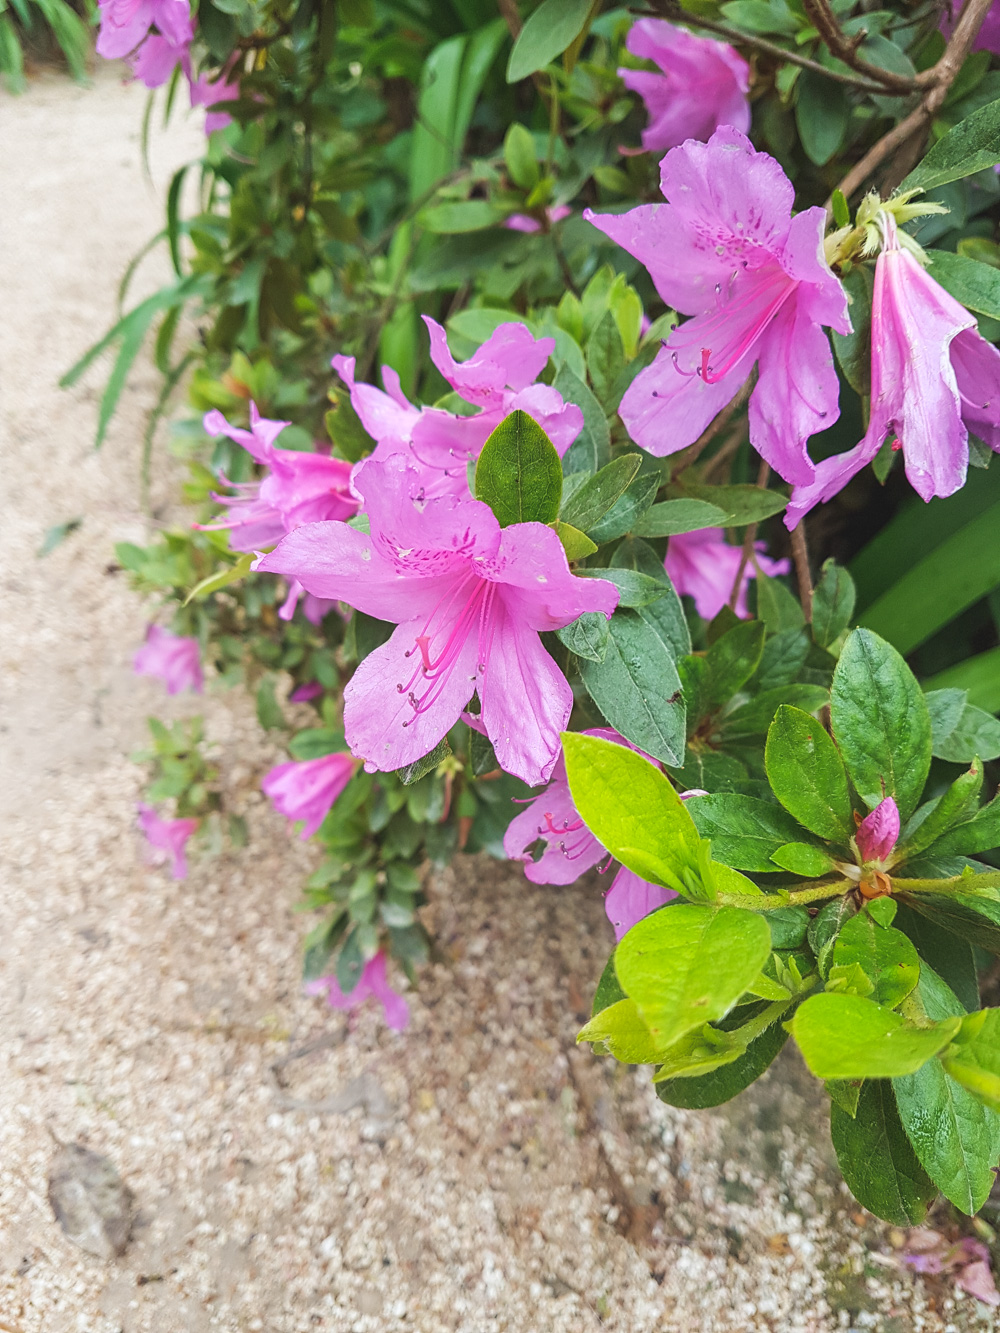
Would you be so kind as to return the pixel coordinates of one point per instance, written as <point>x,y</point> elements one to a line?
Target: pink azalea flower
<point>469,601</point>
<point>171,657</point>
<point>307,788</point>
<point>167,838</point>
<point>571,848</point>
<point>372,984</point>
<point>310,690</point>
<point>878,832</point>
<point>703,85</point>
<point>499,378</point>
<point>934,379</point>
<point>206,91</point>
<point>968,1259</point>
<point>726,250</point>
<point>525,222</point>
<point>703,565</point>
<point>125,23</point>
<point>156,59</point>
<point>988,37</point>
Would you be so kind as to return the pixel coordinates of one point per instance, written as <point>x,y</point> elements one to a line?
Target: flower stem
<point>800,554</point>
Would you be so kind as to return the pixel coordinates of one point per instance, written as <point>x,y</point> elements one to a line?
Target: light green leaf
<point>622,1028</point>
<point>221,578</point>
<point>885,955</point>
<point>553,26</point>
<point>803,858</point>
<point>845,1036</point>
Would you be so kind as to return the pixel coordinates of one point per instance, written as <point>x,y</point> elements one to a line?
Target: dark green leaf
<point>807,775</point>
<point>609,989</point>
<point>482,757</point>
<point>744,831</point>
<point>605,358</point>
<point>973,734</point>
<point>637,688</point>
<point>972,918</point>
<point>754,718</point>
<point>877,1161</point>
<point>519,474</point>
<point>634,588</point>
<point>591,448</point>
<point>974,284</point>
<point>854,349</point>
<point>776,606</point>
<point>588,636</point>
<point>673,517</point>
<point>880,721</point>
<point>973,145</point>
<point>740,504</point>
<point>420,767</point>
<point>833,604</point>
<point>269,713</point>
<point>822,111</point>
<point>980,833</point>
<point>587,505</point>
<point>950,957</point>
<point>730,662</point>
<point>825,928</point>
<point>666,614</point>
<point>627,510</point>
<point>548,32</point>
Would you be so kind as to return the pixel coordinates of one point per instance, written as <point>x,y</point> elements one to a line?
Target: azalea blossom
<point>372,984</point>
<point>704,565</point>
<point>298,488</point>
<point>206,91</point>
<point>878,832</point>
<point>988,36</point>
<point>499,379</point>
<point>172,658</point>
<point>525,222</point>
<point>703,84</point>
<point>125,23</point>
<point>311,689</point>
<point>167,838</point>
<point>934,379</point>
<point>156,59</point>
<point>307,788</point>
<point>469,601</point>
<point>571,848</point>
<point>726,249</point>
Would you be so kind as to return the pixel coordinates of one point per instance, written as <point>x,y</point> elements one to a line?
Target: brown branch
<point>763,477</point>
<point>846,48</point>
<point>938,79</point>
<point>674,12</point>
<point>800,554</point>
<point>715,427</point>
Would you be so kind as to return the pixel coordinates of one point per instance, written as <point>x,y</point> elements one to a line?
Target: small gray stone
<point>91,1202</point>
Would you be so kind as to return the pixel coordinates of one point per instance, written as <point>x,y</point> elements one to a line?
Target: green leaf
<point>606,359</point>
<point>628,803</point>
<point>807,775</point>
<point>974,284</point>
<point>951,958</point>
<point>776,606</point>
<point>876,1159</point>
<point>979,833</point>
<point>974,1060</point>
<point>730,662</point>
<point>665,615</point>
<point>591,448</point>
<point>971,918</point>
<point>885,955</point>
<point>608,990</point>
<point>421,767</point>
<point>575,543</point>
<point>740,504</point>
<point>744,831</point>
<point>622,1028</point>
<point>588,636</point>
<point>955,574</point>
<point>221,578</point>
<point>519,155</point>
<point>973,145</point>
<point>845,1036</point>
<point>673,517</point>
<point>587,505</point>
<point>462,216</point>
<point>803,858</point>
<point>637,688</point>
<point>754,718</point>
<point>548,32</point>
<point>833,604</point>
<point>979,675</point>
<point>519,474</point>
<point>953,806</point>
<point>880,721</point>
<point>689,965</point>
<point>635,589</point>
<point>269,713</point>
<point>822,112</point>
<point>627,510</point>
<point>723,1084</point>
<point>972,734</point>
<point>854,349</point>
<point>56,535</point>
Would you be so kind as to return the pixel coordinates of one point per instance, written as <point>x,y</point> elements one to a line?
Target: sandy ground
<point>478,1173</point>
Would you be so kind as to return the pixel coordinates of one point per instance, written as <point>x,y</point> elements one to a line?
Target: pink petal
<point>878,832</point>
<point>630,899</point>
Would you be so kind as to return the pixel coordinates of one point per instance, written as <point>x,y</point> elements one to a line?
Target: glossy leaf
<point>627,509</point>
<point>547,33</point>
<point>588,636</point>
<point>744,831</point>
<point>723,1084</point>
<point>876,1158</point>
<point>519,474</point>
<point>974,1060</point>
<point>845,1036</point>
<point>803,858</point>
<point>833,604</point>
<point>754,718</point>
<point>807,774</point>
<point>880,721</point>
<point>885,955</point>
<point>587,505</point>
<point>673,517</point>
<point>973,145</point>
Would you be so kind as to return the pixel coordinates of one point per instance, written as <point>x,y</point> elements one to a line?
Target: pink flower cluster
<point>155,36</point>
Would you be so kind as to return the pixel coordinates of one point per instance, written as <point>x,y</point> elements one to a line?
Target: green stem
<point>770,902</point>
<point>956,884</point>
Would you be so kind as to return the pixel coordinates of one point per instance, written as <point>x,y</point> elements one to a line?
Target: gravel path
<point>294,1170</point>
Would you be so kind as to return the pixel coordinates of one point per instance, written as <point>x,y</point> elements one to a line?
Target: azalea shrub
<point>591,437</point>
